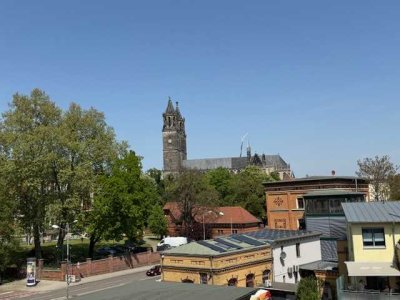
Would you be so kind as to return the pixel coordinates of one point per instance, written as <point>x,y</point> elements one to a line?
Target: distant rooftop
<point>275,235</point>
<point>372,212</point>
<point>215,247</point>
<point>219,215</point>
<point>318,178</point>
<point>234,163</point>
<point>238,242</point>
<point>331,192</point>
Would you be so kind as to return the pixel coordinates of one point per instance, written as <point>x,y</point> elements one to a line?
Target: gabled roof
<point>235,213</point>
<point>218,246</point>
<point>372,212</point>
<point>216,215</point>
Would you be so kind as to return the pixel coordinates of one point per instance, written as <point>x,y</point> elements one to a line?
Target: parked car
<point>106,251</point>
<point>163,247</point>
<point>154,271</point>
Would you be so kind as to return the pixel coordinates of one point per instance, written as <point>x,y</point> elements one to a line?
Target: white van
<point>172,242</point>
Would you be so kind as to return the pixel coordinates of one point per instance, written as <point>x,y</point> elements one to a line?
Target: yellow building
<point>373,231</point>
<point>223,261</point>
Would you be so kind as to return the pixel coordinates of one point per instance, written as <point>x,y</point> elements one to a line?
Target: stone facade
<point>174,139</point>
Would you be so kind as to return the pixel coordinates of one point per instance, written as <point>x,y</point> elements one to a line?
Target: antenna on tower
<point>241,144</point>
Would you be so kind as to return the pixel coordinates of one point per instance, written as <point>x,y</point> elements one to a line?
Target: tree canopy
<point>122,203</point>
<point>379,170</point>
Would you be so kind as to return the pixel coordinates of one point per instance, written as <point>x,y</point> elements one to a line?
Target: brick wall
<point>97,267</point>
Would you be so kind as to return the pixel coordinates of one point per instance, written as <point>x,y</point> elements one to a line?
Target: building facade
<point>175,152</point>
<point>373,231</point>
<point>223,261</point>
<point>285,199</point>
<point>290,250</point>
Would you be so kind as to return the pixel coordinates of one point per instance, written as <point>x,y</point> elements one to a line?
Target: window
<point>373,237</point>
<point>265,275</point>
<point>298,249</point>
<point>203,278</point>
<point>300,203</point>
<point>220,231</point>
<point>234,231</point>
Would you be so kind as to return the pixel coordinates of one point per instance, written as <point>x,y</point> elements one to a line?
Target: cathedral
<point>175,153</point>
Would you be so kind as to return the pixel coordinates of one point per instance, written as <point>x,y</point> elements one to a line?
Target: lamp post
<point>204,226</point>
<point>66,230</point>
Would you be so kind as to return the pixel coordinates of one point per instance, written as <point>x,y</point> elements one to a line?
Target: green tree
<point>157,221</point>
<point>85,148</point>
<point>121,203</point>
<point>194,196</point>
<point>8,244</point>
<point>27,135</point>
<point>220,179</point>
<point>247,190</point>
<point>156,175</point>
<point>378,170</point>
<point>309,288</point>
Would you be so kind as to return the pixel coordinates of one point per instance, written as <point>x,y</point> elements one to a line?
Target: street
<point>77,290</point>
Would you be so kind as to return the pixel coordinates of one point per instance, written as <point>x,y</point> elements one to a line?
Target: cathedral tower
<point>174,139</point>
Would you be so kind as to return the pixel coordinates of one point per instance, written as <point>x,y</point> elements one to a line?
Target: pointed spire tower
<point>174,139</point>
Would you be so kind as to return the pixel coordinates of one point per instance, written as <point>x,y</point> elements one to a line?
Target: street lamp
<point>204,227</point>
<point>66,230</point>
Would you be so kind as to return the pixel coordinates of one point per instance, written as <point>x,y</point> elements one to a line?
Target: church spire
<point>178,112</point>
<point>170,107</point>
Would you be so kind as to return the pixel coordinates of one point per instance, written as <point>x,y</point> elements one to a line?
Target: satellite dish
<point>283,255</point>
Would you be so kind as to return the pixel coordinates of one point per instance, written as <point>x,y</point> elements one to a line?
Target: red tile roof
<point>217,215</point>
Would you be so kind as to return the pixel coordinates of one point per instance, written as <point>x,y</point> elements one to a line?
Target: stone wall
<point>97,267</point>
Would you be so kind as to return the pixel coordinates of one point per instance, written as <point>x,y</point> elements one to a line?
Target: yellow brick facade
<point>219,269</point>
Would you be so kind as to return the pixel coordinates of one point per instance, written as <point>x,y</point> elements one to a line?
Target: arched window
<point>232,282</point>
<point>265,275</point>
<point>250,280</point>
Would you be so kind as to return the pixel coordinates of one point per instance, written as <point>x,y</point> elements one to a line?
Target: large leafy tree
<point>28,135</point>
<point>195,196</point>
<point>379,170</point>
<point>122,202</point>
<point>84,150</point>
<point>157,221</point>
<point>8,244</point>
<point>52,160</point>
<point>220,179</point>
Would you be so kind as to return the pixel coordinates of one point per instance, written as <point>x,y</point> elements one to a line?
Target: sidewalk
<point>49,285</point>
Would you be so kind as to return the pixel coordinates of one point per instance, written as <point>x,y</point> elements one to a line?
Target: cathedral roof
<point>234,163</point>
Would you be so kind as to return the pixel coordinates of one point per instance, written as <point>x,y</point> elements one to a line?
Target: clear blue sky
<point>315,81</point>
